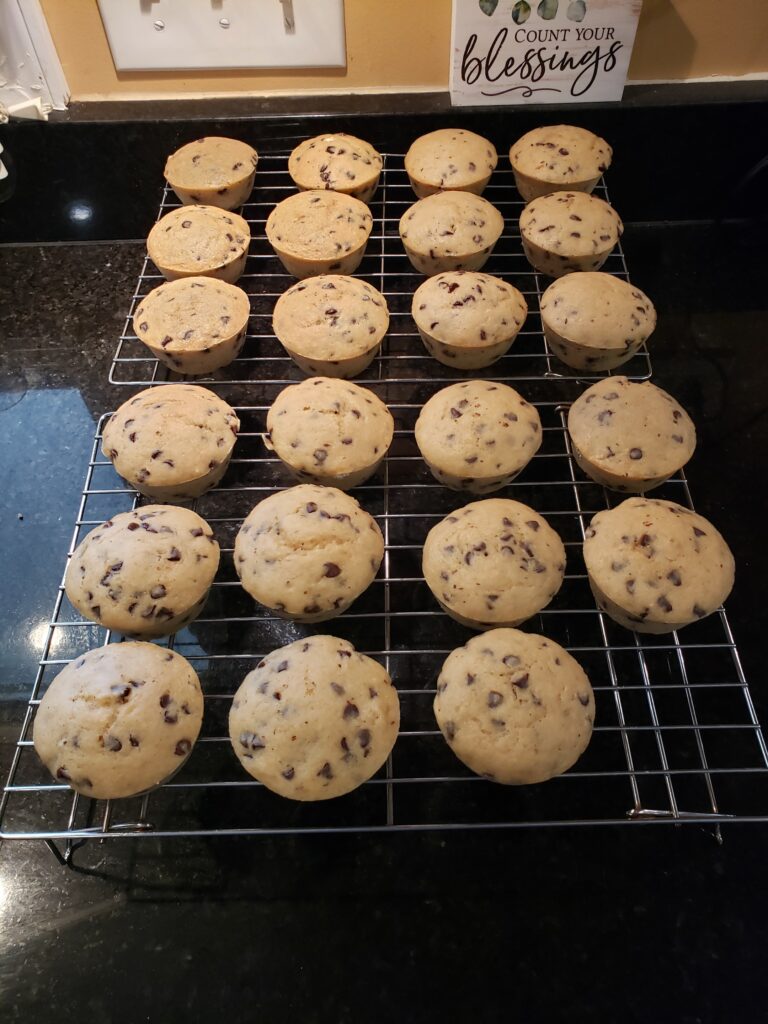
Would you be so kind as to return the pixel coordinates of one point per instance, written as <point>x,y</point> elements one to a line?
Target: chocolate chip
<point>584,699</point>
<point>351,710</point>
<point>326,772</point>
<point>698,533</point>
<point>630,585</point>
<point>331,570</point>
<point>320,455</point>
<point>450,730</point>
<point>664,604</point>
<point>133,741</point>
<point>186,223</point>
<point>494,699</point>
<point>635,453</point>
<point>112,743</point>
<point>123,692</point>
<point>311,506</point>
<point>282,666</point>
<point>175,555</point>
<point>251,741</point>
<point>158,591</point>
<point>182,747</point>
<point>62,773</point>
<point>674,577</point>
<point>698,611</point>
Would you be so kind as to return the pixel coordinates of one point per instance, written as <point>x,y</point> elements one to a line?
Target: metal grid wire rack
<point>385,266</point>
<point>676,737</point>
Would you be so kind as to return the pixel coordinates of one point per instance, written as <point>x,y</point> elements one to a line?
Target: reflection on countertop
<point>637,924</point>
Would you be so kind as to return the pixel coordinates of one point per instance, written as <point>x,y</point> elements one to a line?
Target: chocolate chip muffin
<point>338,162</point>
<point>144,573</point>
<point>214,170</point>
<point>308,552</point>
<point>172,442</point>
<point>200,241</point>
<point>317,232</point>
<point>493,563</point>
<point>450,231</point>
<point>594,321</point>
<point>468,320</point>
<point>450,158</point>
<point>557,157</point>
<point>655,566</point>
<point>314,719</point>
<point>515,707</point>
<point>329,431</point>
<point>119,720</point>
<point>569,231</point>
<point>331,326</point>
<point>477,436</point>
<point>630,437</point>
<point>194,325</point>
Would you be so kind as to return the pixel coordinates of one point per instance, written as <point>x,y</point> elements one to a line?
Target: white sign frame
<point>502,55</point>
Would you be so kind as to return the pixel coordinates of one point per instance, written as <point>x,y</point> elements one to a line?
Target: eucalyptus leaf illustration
<point>547,9</point>
<point>576,10</point>
<point>521,12</point>
<point>488,6</point>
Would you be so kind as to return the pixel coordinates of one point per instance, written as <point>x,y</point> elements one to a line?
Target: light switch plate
<point>181,35</point>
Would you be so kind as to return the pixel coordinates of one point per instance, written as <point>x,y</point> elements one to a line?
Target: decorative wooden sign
<point>541,51</point>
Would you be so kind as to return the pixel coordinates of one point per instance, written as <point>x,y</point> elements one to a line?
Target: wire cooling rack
<point>387,268</point>
<point>676,737</point>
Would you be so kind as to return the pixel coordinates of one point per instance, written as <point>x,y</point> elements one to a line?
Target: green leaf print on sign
<point>488,6</point>
<point>576,10</point>
<point>521,12</point>
<point>547,9</point>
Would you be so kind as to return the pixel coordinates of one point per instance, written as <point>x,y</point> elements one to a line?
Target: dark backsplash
<point>94,180</point>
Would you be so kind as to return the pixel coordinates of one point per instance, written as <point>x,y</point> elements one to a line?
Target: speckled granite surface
<point>631,925</point>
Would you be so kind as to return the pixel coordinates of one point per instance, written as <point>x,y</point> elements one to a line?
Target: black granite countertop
<point>630,924</point>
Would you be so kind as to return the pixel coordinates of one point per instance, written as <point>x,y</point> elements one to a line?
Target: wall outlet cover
<point>180,35</point>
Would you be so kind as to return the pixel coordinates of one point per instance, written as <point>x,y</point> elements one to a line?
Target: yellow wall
<point>676,39</point>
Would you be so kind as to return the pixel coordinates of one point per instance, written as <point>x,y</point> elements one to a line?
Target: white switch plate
<point>179,35</point>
